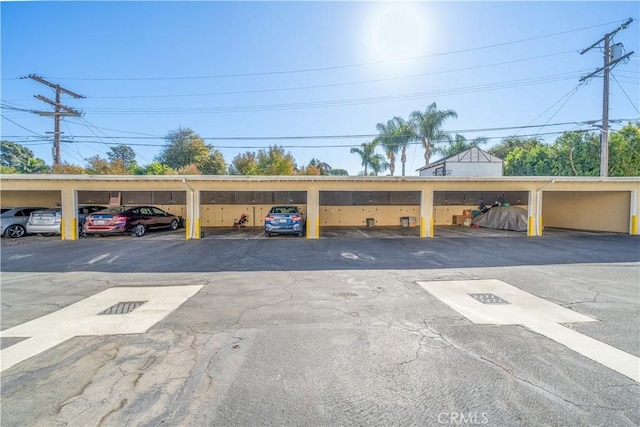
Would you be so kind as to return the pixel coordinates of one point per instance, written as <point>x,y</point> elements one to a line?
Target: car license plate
<point>282,221</point>
<point>99,222</point>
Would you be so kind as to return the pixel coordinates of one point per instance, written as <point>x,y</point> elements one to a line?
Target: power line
<point>338,67</point>
<point>340,102</point>
<point>625,93</point>
<point>19,125</point>
<point>318,146</point>
<point>325,137</point>
<point>324,86</point>
<point>563,104</point>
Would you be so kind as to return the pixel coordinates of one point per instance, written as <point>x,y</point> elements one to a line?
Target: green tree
<point>275,161</point>
<point>97,165</point>
<point>244,164</point>
<point>124,154</point>
<point>577,154</point>
<point>323,167</point>
<point>503,148</point>
<point>11,153</point>
<point>338,172</point>
<point>213,164</point>
<point>369,157</point>
<point>185,147</point>
<point>318,167</point>
<point>31,165</point>
<point>427,127</point>
<point>624,151</point>
<point>8,170</point>
<point>156,168</point>
<point>20,158</point>
<point>539,160</point>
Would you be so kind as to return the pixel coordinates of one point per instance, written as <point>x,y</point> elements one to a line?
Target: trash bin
<point>404,221</point>
<point>371,222</point>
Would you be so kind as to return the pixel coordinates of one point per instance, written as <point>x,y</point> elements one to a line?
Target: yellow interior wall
<point>356,216</point>
<point>47,199</point>
<point>587,210</point>
<point>180,210</point>
<point>350,216</point>
<point>226,215</point>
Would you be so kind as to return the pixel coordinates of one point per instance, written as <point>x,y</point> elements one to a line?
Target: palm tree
<point>378,164</point>
<point>367,152</point>
<point>427,127</point>
<point>31,165</point>
<point>404,135</point>
<point>459,144</point>
<point>387,135</point>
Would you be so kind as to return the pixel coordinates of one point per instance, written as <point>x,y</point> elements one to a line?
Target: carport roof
<point>309,178</point>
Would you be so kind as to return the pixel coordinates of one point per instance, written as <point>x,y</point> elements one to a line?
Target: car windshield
<point>284,209</point>
<point>115,209</point>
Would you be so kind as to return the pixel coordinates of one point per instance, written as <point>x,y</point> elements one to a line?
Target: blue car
<point>284,220</point>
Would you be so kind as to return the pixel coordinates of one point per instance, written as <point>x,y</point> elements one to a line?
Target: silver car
<point>47,222</point>
<point>13,221</point>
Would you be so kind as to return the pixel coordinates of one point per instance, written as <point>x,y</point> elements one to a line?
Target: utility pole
<point>60,111</point>
<point>609,63</point>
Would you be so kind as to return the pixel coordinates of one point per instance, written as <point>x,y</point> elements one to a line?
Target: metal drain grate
<point>487,298</point>
<point>123,307</point>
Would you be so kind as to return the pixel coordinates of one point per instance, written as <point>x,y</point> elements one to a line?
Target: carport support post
<point>426,213</point>
<point>313,213</point>
<point>69,224</point>
<point>193,214</point>
<point>192,220</point>
<point>534,214</point>
<point>635,212</point>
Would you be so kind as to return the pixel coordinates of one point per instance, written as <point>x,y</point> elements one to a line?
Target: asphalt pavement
<point>243,331</point>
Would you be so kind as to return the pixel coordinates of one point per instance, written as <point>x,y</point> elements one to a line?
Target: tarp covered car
<point>503,218</point>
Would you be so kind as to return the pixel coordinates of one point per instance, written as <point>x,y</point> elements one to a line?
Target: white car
<point>13,221</point>
<point>47,222</point>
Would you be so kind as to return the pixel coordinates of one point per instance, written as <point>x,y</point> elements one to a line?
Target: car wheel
<point>174,224</point>
<point>81,232</point>
<point>301,234</point>
<point>268,234</point>
<point>139,230</point>
<point>15,231</point>
<point>103,235</point>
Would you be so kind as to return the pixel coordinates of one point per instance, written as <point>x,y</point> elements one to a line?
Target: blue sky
<point>254,71</point>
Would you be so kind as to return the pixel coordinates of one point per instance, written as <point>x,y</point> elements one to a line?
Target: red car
<point>136,220</point>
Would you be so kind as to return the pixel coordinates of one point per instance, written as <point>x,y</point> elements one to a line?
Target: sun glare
<point>396,31</point>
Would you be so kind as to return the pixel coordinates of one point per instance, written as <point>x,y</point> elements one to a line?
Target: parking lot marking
<point>362,232</point>
<point>97,258</point>
<point>12,257</point>
<point>83,319</point>
<point>537,314</point>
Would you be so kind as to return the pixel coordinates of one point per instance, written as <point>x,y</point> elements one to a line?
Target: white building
<point>471,162</point>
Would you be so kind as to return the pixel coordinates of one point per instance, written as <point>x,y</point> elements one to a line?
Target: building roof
<point>472,155</point>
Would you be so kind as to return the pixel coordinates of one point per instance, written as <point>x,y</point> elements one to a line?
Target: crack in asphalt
<point>510,373</point>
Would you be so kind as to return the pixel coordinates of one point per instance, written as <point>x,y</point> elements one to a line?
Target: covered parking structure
<point>598,204</point>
